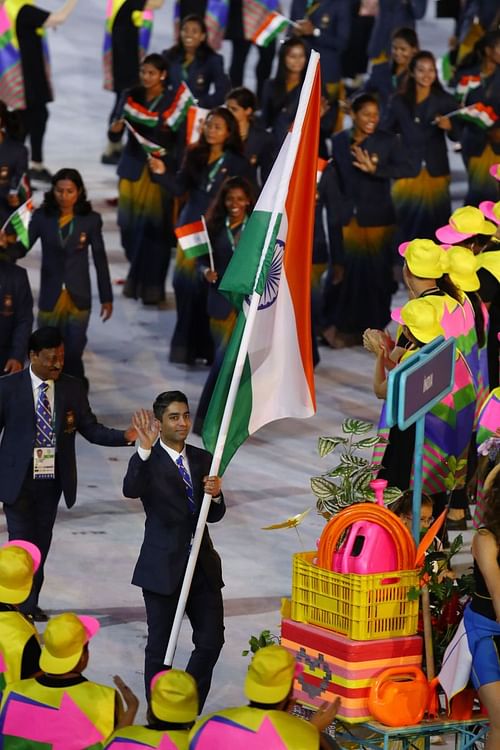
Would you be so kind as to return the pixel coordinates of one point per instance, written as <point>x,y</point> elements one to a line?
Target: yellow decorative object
<point>290,523</point>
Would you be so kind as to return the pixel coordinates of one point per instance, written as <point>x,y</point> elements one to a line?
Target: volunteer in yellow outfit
<point>265,721</point>
<point>173,708</point>
<point>19,642</point>
<point>61,708</point>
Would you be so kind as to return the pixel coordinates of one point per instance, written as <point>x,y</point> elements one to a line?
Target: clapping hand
<point>363,160</point>
<point>147,428</point>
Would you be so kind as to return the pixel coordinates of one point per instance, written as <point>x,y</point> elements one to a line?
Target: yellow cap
<point>464,222</point>
<point>16,574</point>
<point>174,696</point>
<point>422,317</point>
<point>63,641</point>
<point>270,675</point>
<point>425,258</point>
<point>463,267</point>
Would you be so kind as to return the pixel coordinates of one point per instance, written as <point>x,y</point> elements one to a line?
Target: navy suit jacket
<point>169,524</point>
<point>205,77</point>
<point>17,420</point>
<point>68,265</point>
<point>16,313</point>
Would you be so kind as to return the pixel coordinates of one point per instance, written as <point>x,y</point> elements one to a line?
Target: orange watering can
<point>398,696</point>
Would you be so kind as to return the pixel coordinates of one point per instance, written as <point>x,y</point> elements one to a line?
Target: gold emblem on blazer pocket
<point>70,425</point>
<point>325,21</point>
<point>82,242</point>
<point>4,173</point>
<point>7,305</point>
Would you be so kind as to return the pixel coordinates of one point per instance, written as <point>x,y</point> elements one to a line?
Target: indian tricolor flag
<point>193,239</point>
<point>175,115</point>
<point>466,84</point>
<point>136,113</point>
<point>152,149</point>
<point>480,114</point>
<point>18,223</point>
<point>267,373</point>
<point>196,117</point>
<point>273,25</point>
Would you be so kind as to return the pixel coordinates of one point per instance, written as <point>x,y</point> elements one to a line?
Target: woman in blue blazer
<point>217,156</point>
<point>365,159</point>
<point>144,208</point>
<point>68,228</point>
<point>417,114</point>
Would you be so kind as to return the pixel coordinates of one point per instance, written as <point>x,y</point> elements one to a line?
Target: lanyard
<point>213,173</point>
<point>235,232</point>
<point>151,105</point>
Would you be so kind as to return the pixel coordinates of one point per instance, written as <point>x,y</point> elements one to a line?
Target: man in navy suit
<point>170,478</point>
<point>37,452</point>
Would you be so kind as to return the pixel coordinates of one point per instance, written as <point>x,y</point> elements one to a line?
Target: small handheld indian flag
<point>196,117</point>
<point>466,84</point>
<point>136,113</point>
<point>193,239</point>
<point>273,25</point>
<point>479,114</point>
<point>152,149</point>
<point>175,115</point>
<point>18,223</point>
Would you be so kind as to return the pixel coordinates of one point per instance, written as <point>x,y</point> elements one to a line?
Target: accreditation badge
<point>44,463</point>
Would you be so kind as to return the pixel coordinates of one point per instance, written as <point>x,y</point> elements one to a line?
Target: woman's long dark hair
<point>82,206</point>
<point>203,52</point>
<point>479,322</point>
<point>448,287</point>
<point>196,158</point>
<point>279,82</point>
<point>216,214</point>
<point>476,57</point>
<point>409,90</point>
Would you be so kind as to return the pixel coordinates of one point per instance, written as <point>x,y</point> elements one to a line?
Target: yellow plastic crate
<point>361,607</point>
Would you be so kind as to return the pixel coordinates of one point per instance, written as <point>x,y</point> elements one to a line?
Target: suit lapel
<point>26,403</point>
<point>170,470</point>
<point>196,478</point>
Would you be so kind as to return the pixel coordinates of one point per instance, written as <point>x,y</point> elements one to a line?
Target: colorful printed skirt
<point>72,323</point>
<point>422,205</point>
<point>364,296</point>
<point>482,187</point>
<point>145,221</point>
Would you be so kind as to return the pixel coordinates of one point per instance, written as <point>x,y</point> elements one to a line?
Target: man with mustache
<point>41,410</point>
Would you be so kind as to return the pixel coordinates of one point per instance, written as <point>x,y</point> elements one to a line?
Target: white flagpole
<point>210,251</point>
<point>242,353</point>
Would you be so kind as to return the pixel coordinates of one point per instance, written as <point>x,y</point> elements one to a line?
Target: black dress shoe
<point>456,524</point>
<point>40,175</point>
<point>40,616</point>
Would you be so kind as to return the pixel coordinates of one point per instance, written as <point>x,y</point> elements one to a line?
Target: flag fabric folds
<point>136,113</point>
<point>273,25</point>
<point>18,223</point>
<point>272,263</point>
<point>152,149</point>
<point>193,239</point>
<point>177,112</point>
<point>196,117</point>
<point>479,114</point>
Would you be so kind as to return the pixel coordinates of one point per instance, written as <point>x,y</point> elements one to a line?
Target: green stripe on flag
<point>239,278</point>
<point>196,251</point>
<point>238,429</point>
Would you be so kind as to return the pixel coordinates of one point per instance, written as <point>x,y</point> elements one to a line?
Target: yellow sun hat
<point>174,696</point>
<point>270,675</point>
<point>64,640</point>
<point>464,222</point>
<point>491,210</point>
<point>463,268</point>
<point>424,258</point>
<point>421,316</point>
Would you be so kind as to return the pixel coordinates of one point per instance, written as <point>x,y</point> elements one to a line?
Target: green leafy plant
<point>349,481</point>
<point>265,638</point>
<point>448,596</point>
